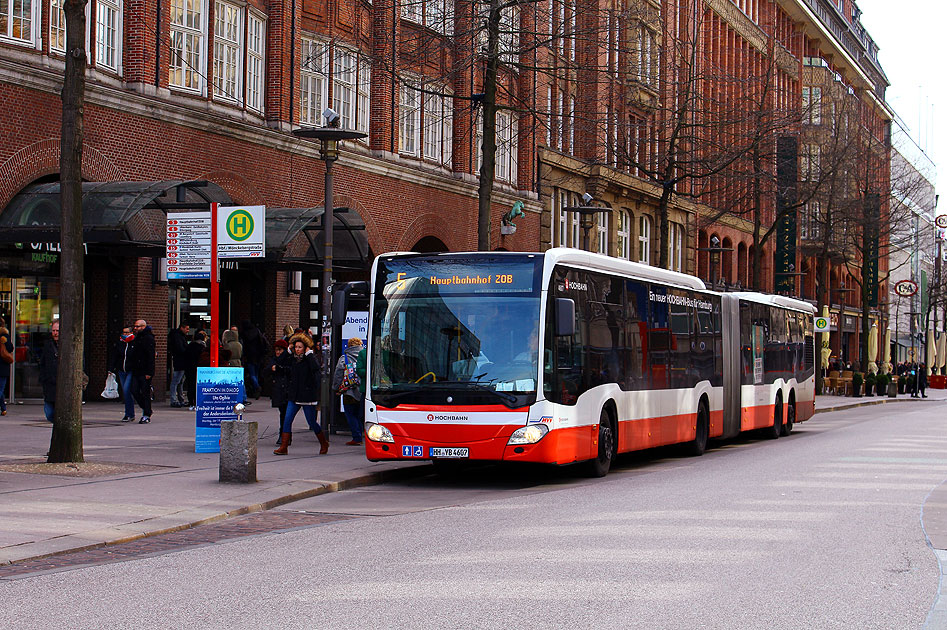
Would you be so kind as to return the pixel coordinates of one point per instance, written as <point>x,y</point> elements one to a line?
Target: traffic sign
<point>241,231</point>
<point>188,245</point>
<point>821,324</point>
<point>905,288</point>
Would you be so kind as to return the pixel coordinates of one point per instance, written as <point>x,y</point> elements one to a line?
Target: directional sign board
<point>188,245</point>
<point>241,231</point>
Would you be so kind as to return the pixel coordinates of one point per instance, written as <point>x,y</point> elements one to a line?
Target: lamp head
<point>714,241</point>
<point>331,116</point>
<point>587,198</point>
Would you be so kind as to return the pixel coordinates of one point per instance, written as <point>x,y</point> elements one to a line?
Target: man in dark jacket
<point>48,366</point>
<point>177,355</point>
<point>254,351</point>
<point>143,368</point>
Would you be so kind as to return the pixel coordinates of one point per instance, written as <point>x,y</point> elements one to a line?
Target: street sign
<point>241,232</point>
<point>188,245</point>
<point>905,288</point>
<point>821,324</point>
<point>941,221</point>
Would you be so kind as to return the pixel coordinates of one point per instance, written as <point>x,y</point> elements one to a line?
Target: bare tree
<point>66,441</point>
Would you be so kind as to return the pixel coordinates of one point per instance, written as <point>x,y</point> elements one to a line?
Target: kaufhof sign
<point>241,231</point>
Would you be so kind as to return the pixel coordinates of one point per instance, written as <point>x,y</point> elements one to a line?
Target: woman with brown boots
<point>302,393</point>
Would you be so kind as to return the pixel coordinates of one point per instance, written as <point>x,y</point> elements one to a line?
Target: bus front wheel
<point>599,466</point>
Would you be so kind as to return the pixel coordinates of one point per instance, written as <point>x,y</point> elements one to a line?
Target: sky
<point>909,34</point>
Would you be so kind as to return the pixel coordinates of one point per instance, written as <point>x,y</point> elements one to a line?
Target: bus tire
<point>599,466</point>
<point>790,417</point>
<point>697,446</point>
<point>773,432</point>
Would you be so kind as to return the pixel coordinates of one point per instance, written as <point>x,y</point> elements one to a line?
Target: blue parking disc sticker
<point>418,451</point>
<point>406,451</point>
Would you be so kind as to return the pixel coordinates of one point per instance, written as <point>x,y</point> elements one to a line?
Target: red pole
<point>214,289</point>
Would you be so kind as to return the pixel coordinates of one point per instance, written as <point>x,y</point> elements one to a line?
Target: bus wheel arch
<point>607,442</point>
<point>774,431</point>
<point>698,445</point>
<point>790,414</point>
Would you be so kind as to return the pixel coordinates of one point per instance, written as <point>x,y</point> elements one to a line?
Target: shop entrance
<point>28,305</point>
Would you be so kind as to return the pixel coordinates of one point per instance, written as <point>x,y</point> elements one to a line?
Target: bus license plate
<point>456,453</point>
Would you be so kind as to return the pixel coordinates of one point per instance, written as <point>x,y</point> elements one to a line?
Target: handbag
<point>5,355</point>
<point>111,387</point>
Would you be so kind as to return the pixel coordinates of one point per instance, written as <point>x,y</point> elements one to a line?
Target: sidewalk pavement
<point>145,480</point>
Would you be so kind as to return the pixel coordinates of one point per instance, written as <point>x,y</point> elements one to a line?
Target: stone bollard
<point>238,449</point>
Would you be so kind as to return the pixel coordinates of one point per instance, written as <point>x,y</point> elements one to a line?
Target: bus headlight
<point>529,434</point>
<point>378,433</point>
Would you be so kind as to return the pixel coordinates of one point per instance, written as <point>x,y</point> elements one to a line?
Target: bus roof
<point>775,300</point>
<point>600,262</point>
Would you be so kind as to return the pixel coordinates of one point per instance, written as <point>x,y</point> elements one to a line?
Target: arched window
<point>624,234</point>
<point>601,227</point>
<point>726,256</point>
<point>644,239</point>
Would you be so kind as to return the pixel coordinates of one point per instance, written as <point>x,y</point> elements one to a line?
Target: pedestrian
<point>278,367</point>
<point>6,359</point>
<point>254,352</point>
<point>346,382</point>
<point>302,393</point>
<point>120,364</point>
<point>229,340</point>
<point>143,368</point>
<point>288,331</point>
<point>48,367</point>
<point>196,349</point>
<point>922,379</point>
<point>177,356</point>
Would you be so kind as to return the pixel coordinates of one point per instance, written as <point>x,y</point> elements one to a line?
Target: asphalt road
<point>818,530</point>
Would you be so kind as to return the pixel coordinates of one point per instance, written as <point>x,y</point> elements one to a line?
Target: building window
<point>17,19</point>
<point>506,147</point>
<point>644,239</point>
<point>624,234</point>
<point>438,128</point>
<point>344,75</point>
<point>410,109</point>
<point>560,200</point>
<point>314,86</point>
<point>256,43</point>
<point>57,24</point>
<point>811,217</point>
<point>187,45</point>
<point>811,154</point>
<point>228,33</point>
<point>601,226</point>
<point>439,15</point>
<point>676,247</point>
<point>574,220</point>
<point>108,41</point>
<point>812,105</point>
<point>363,98</point>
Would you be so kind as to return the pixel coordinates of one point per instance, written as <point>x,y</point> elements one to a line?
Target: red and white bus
<point>567,356</point>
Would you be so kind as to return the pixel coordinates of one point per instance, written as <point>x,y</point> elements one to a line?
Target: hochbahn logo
<point>572,285</point>
<point>431,417</point>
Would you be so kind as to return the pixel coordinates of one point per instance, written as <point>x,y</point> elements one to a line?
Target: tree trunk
<point>489,147</point>
<point>66,441</point>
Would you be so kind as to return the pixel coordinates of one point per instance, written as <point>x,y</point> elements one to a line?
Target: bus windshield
<point>460,331</point>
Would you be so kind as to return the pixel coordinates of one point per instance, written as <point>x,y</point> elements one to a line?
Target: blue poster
<point>218,390</point>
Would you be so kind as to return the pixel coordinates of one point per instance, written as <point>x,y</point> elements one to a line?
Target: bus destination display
<point>420,276</point>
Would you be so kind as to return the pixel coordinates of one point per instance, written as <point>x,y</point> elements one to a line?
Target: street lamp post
<point>586,212</point>
<point>329,137</point>
<point>715,251</point>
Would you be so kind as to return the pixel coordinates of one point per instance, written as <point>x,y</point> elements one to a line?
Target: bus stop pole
<point>214,289</point>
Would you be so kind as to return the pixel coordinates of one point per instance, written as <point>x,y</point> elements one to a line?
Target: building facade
<point>668,113</point>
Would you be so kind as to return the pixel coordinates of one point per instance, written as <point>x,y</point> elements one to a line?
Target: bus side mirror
<point>565,317</point>
<point>341,296</point>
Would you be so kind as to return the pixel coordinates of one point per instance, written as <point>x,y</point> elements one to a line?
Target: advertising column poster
<point>218,390</point>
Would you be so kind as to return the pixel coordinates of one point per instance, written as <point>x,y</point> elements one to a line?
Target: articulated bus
<point>567,356</point>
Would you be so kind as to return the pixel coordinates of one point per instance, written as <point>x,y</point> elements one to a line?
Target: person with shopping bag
<point>120,366</point>
<point>6,360</point>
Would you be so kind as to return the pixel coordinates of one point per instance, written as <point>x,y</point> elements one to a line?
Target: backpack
<point>350,378</point>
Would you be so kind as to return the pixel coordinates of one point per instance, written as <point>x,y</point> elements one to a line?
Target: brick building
<point>590,95</point>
